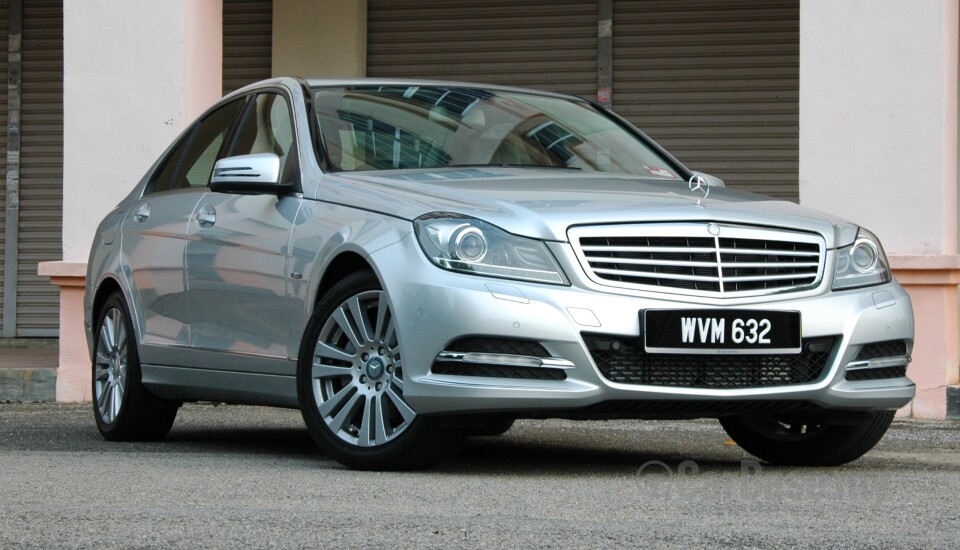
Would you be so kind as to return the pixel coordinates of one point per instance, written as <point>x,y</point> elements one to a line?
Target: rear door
<point>155,237</point>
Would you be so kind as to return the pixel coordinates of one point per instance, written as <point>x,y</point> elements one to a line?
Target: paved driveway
<point>230,477</point>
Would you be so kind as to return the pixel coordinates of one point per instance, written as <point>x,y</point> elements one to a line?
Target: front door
<point>237,258</point>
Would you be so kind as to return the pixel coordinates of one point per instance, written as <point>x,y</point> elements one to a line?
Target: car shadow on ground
<point>523,455</point>
<point>271,441</point>
<point>530,457</point>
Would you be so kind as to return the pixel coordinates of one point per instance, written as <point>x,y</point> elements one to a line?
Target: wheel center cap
<point>375,368</point>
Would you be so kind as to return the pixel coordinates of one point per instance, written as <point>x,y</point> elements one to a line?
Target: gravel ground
<point>231,476</point>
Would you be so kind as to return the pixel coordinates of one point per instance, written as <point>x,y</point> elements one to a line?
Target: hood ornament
<point>699,187</point>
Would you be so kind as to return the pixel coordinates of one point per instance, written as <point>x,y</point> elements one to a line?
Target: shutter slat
<point>247,42</point>
<point>716,83</point>
<point>539,43</point>
<point>4,25</point>
<point>41,167</point>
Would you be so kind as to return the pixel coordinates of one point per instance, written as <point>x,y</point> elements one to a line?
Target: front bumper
<point>434,308</point>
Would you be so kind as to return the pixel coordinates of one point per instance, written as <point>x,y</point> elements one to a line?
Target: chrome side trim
<point>505,360</point>
<point>880,362</point>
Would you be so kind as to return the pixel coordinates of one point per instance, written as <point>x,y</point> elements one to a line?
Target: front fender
<point>323,233</point>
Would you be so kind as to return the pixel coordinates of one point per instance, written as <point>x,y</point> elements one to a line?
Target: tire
<point>123,408</point>
<point>350,385</point>
<point>808,442</point>
<point>488,426</point>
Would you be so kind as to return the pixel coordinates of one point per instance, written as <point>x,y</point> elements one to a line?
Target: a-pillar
<point>878,145</point>
<point>135,74</point>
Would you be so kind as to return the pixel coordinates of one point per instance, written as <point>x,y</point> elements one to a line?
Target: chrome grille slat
<point>684,258</point>
<point>728,265</point>
<point>767,277</point>
<point>605,260</point>
<point>663,249</point>
<point>767,252</point>
<point>657,275</point>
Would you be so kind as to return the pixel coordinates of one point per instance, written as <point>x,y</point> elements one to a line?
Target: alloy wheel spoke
<point>120,391</point>
<point>366,419</point>
<point>106,401</point>
<point>359,319</point>
<point>121,338</point>
<point>380,418</point>
<point>328,371</point>
<point>382,310</point>
<point>116,400</point>
<point>391,333</point>
<point>405,411</point>
<point>330,405</point>
<point>106,335</point>
<point>327,351</point>
<point>102,372</point>
<point>346,413</point>
<point>116,324</point>
<point>341,319</point>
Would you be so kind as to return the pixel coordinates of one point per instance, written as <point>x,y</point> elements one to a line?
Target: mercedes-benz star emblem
<point>713,229</point>
<point>699,187</point>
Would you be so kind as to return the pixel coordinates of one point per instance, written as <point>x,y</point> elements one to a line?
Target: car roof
<point>351,82</point>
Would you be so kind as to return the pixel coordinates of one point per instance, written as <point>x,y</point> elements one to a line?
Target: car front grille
<point>700,258</point>
<point>626,362</point>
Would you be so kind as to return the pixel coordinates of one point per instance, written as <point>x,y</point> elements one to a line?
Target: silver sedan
<point>413,263</point>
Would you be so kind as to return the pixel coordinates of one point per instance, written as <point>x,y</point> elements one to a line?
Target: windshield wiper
<point>505,165</point>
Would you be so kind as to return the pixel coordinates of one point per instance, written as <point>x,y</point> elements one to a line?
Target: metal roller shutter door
<point>4,14</point>
<point>543,44</point>
<point>716,83</point>
<point>247,42</point>
<point>41,167</point>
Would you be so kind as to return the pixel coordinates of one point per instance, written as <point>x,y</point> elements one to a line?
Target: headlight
<point>861,264</point>
<point>468,245</point>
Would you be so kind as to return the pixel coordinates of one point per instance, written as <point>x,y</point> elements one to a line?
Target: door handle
<point>207,216</point>
<point>142,213</point>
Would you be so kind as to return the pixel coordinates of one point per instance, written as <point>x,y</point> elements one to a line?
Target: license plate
<point>712,331</point>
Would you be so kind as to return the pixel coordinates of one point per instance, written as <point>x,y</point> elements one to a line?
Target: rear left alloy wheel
<point>124,409</point>
<point>350,380</point>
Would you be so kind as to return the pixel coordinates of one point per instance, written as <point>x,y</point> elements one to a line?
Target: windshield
<point>397,127</point>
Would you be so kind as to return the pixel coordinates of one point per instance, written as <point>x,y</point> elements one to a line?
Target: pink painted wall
<point>136,72</point>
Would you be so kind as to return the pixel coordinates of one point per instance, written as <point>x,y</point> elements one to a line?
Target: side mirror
<point>248,174</point>
<point>712,181</point>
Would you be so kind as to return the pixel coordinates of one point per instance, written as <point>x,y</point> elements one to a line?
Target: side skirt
<point>188,384</point>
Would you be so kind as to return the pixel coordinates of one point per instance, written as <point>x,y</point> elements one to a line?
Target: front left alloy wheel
<point>350,380</point>
<point>124,409</point>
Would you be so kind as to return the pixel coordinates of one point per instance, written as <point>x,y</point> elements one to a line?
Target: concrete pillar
<point>136,72</point>
<point>878,145</point>
<point>320,39</point>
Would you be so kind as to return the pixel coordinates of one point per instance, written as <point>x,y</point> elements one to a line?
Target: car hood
<point>544,203</point>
